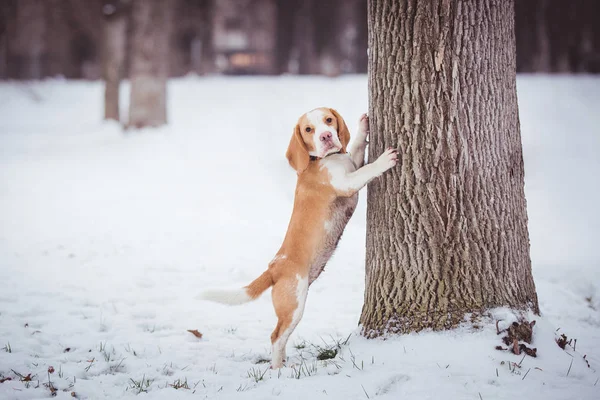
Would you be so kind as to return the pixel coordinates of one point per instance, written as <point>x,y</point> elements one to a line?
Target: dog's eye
<point>329,120</point>
<point>308,129</point>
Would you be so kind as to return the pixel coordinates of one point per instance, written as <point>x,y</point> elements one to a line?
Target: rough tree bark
<point>152,22</point>
<point>115,42</point>
<point>447,230</point>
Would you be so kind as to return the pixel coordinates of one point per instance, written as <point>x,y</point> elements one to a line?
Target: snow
<point>107,237</point>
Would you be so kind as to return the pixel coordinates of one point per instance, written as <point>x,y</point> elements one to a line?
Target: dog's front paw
<point>363,128</point>
<point>388,159</point>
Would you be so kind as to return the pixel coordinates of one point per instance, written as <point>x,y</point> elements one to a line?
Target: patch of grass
<point>329,351</point>
<point>24,378</point>
<point>304,369</point>
<point>256,374</point>
<point>51,386</point>
<point>231,330</point>
<point>213,369</point>
<point>140,386</point>
<point>301,345</point>
<point>327,354</point>
<point>91,362</point>
<point>353,359</point>
<point>180,384</point>
<point>7,348</point>
<point>239,389</point>
<point>116,368</point>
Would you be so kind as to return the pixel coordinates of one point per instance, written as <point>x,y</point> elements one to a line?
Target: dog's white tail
<point>226,296</point>
<point>242,295</point>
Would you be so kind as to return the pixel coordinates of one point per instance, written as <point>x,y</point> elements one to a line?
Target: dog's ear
<point>343,132</point>
<point>297,153</point>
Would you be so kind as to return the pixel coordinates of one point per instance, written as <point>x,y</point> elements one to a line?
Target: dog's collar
<point>313,158</point>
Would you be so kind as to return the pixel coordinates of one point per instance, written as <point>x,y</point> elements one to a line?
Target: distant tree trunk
<point>27,42</point>
<point>285,35</point>
<point>115,42</point>
<point>187,39</point>
<point>149,62</point>
<point>58,52</point>
<point>557,36</point>
<point>86,25</point>
<point>345,39</point>
<point>304,54</point>
<point>206,64</point>
<point>447,230</point>
<point>362,37</point>
<point>5,11</point>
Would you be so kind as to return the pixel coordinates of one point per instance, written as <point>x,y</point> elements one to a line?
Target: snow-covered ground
<point>105,239</point>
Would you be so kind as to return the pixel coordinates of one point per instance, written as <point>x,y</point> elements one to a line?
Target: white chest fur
<point>340,212</point>
<point>338,166</point>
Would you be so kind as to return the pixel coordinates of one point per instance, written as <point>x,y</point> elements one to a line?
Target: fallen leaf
<point>195,333</point>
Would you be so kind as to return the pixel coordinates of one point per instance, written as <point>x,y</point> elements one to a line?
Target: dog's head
<point>318,133</point>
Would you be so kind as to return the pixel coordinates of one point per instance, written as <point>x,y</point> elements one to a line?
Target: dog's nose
<point>325,136</point>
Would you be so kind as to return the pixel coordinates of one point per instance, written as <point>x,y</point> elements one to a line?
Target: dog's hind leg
<point>289,297</point>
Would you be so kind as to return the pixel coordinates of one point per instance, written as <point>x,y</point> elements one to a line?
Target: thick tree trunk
<point>115,43</point>
<point>149,62</point>
<point>447,230</point>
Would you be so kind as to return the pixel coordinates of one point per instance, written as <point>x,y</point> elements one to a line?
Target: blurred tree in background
<point>116,14</point>
<point>42,38</point>
<point>151,27</point>
<point>558,36</point>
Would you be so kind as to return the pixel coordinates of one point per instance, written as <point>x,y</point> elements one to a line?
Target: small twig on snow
<point>363,388</point>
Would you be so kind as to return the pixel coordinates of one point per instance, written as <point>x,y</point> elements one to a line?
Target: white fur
<point>346,180</point>
<point>226,296</point>
<point>277,258</point>
<point>278,351</point>
<point>317,120</point>
<point>359,144</point>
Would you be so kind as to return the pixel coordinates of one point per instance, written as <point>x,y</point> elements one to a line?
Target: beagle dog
<point>329,177</point>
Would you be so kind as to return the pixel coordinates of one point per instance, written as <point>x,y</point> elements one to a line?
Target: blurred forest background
<point>90,39</point>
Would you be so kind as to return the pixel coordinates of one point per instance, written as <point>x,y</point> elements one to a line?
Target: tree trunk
<point>5,13</point>
<point>115,41</point>
<point>27,41</point>
<point>304,54</point>
<point>149,62</point>
<point>447,230</point>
